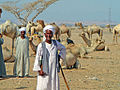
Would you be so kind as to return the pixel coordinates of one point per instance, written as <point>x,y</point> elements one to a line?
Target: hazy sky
<point>79,10</point>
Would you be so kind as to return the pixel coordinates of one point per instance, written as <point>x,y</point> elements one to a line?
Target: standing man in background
<point>22,63</point>
<point>2,64</point>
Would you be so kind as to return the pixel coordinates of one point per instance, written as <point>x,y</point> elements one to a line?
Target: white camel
<point>73,51</point>
<point>90,43</point>
<point>65,30</point>
<point>38,27</point>
<point>10,30</point>
<point>7,55</point>
<point>116,31</point>
<point>94,29</point>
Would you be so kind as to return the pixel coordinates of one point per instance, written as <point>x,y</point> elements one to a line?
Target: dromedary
<point>64,29</point>
<point>28,28</point>
<point>92,29</point>
<point>38,28</point>
<point>73,51</point>
<point>116,30</point>
<point>57,31</point>
<point>7,55</point>
<point>79,24</point>
<point>34,45</point>
<point>9,29</point>
<point>89,43</point>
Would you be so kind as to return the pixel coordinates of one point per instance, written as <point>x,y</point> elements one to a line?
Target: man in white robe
<point>48,79</point>
<point>22,63</point>
<point>2,64</point>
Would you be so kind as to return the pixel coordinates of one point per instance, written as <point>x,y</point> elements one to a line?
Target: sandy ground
<point>101,72</point>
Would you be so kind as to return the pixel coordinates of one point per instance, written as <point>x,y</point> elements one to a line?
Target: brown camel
<point>38,27</point>
<point>79,24</point>
<point>57,31</point>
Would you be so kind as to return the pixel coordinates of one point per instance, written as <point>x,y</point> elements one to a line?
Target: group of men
<point>46,61</point>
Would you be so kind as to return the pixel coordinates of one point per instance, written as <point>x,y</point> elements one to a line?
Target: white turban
<point>22,29</point>
<point>48,27</point>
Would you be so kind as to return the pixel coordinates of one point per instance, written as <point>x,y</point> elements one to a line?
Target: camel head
<point>99,41</point>
<point>79,24</point>
<point>41,22</point>
<point>63,25</point>
<point>82,34</point>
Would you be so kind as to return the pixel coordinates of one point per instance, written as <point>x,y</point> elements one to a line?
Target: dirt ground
<point>101,72</point>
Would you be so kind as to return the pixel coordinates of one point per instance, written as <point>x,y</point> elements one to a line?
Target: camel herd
<point>34,30</point>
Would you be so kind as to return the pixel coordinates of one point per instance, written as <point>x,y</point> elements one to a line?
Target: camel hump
<point>41,22</point>
<point>8,22</point>
<point>117,27</point>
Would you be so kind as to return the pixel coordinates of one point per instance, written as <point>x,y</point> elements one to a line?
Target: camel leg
<point>116,39</point>
<point>113,38</point>
<point>12,46</point>
<point>88,35</point>
<point>101,34</point>
<point>69,33</point>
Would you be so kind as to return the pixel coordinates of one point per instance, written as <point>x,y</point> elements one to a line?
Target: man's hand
<point>41,73</point>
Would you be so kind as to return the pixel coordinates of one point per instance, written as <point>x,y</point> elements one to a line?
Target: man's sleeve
<point>62,50</point>
<point>38,59</point>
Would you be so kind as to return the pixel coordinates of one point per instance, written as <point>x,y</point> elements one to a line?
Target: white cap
<point>22,29</point>
<point>48,27</point>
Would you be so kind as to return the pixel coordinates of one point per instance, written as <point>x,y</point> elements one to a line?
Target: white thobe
<point>50,81</point>
<point>22,63</point>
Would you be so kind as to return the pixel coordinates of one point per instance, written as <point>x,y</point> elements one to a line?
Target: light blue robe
<point>2,64</point>
<point>22,63</point>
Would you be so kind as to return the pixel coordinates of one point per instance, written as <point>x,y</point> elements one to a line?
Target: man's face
<point>22,33</point>
<point>48,35</point>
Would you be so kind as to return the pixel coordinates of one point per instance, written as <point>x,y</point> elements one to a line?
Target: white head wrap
<point>22,29</point>
<point>48,27</point>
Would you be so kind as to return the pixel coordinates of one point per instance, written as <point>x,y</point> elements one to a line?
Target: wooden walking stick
<point>64,77</point>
